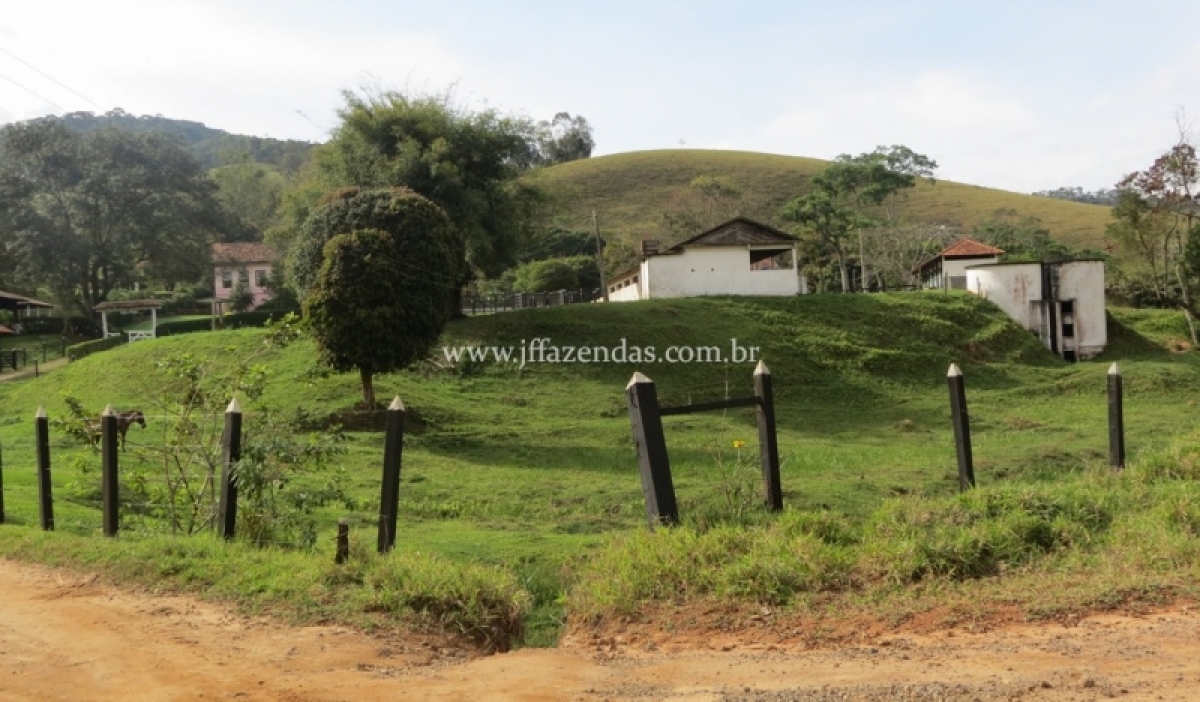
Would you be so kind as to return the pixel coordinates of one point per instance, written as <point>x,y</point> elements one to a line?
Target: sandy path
<point>66,637</point>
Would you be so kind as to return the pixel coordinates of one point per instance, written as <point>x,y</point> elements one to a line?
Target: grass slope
<point>629,192</point>
<point>531,469</point>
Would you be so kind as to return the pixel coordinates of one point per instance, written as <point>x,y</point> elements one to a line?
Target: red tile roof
<point>969,247</point>
<point>242,252</point>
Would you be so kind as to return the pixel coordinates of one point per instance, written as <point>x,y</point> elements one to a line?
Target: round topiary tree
<point>381,294</point>
<point>349,209</point>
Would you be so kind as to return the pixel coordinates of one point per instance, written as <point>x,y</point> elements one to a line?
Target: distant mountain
<point>211,146</point>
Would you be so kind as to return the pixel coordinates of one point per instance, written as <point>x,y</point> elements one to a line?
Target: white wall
<point>1010,287</point>
<point>957,267</point>
<point>1083,281</point>
<point>715,270</point>
<point>629,293</point>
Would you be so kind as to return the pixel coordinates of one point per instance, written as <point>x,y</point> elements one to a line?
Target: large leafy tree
<point>85,213</point>
<point>563,139</point>
<point>387,274</point>
<point>1157,216</point>
<point>465,161</point>
<point>826,214</point>
<point>855,195</point>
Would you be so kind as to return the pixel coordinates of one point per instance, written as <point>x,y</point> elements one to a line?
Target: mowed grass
<point>532,471</point>
<point>630,190</point>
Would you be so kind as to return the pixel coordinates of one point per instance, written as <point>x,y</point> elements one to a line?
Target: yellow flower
<point>738,443</point>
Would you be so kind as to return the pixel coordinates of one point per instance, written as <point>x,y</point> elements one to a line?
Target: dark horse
<point>124,419</point>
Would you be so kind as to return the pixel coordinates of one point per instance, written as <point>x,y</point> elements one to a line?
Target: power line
<point>31,92</point>
<point>49,77</point>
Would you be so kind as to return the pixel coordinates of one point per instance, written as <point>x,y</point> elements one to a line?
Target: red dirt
<point>66,636</point>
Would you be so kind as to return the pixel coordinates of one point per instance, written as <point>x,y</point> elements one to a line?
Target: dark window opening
<point>771,260</point>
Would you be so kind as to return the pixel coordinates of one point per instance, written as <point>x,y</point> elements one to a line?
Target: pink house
<point>242,265</point>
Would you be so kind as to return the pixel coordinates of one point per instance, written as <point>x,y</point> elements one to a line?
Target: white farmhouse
<point>1062,302</point>
<point>738,257</point>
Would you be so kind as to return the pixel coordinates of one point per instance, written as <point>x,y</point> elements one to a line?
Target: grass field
<point>630,190</point>
<point>532,472</point>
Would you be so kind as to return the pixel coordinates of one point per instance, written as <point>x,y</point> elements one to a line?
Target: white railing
<point>140,335</point>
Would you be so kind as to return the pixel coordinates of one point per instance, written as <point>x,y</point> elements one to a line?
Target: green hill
<point>630,191</point>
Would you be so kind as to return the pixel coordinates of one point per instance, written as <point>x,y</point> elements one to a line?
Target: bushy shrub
<point>87,348</point>
<point>553,274</point>
<point>183,326</point>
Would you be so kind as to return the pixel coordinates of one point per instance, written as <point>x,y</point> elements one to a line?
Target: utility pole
<point>600,256</point>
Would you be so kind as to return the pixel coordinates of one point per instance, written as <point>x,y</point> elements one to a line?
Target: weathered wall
<point>717,270</point>
<point>1083,281</point>
<point>1010,287</point>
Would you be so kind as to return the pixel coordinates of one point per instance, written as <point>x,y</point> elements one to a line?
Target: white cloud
<point>189,59</point>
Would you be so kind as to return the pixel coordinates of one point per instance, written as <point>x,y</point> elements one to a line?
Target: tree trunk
<point>864,279</point>
<point>368,388</point>
<point>845,273</point>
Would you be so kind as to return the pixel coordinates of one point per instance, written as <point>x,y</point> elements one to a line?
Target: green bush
<point>87,348</point>
<point>554,274</point>
<point>183,326</point>
<point>242,320</point>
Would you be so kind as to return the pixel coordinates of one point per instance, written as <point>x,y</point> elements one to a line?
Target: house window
<point>244,277</point>
<point>260,278</point>
<point>226,279</point>
<point>771,260</point>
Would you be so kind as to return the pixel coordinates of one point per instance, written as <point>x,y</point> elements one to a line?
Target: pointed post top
<point>1114,369</point>
<point>761,368</point>
<point>108,411</point>
<point>955,371</point>
<point>41,413</point>
<point>638,379</point>
<point>234,407</point>
<point>397,405</point>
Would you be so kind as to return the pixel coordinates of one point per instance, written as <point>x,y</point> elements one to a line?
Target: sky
<point>1021,96</point>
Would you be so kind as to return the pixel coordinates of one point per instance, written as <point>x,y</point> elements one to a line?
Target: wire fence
<point>490,304</point>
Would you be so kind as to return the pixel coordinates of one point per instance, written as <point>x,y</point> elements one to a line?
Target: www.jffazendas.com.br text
<point>540,350</point>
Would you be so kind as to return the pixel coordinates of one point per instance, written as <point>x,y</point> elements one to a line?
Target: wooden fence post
<point>45,498</point>
<point>231,442</point>
<point>109,485</point>
<point>768,444</point>
<point>389,497</point>
<point>651,444</point>
<point>962,427</point>
<point>1116,418</point>
<point>343,542</point>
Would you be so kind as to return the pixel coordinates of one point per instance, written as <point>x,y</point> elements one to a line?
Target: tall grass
<point>1143,521</point>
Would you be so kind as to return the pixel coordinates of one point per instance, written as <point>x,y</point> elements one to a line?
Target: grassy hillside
<point>629,192</point>
<point>532,469</point>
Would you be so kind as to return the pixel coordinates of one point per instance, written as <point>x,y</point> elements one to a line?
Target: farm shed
<point>737,257</point>
<point>948,269</point>
<point>1062,302</point>
<point>22,306</point>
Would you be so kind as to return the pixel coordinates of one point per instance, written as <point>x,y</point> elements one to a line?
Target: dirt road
<point>67,637</point>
